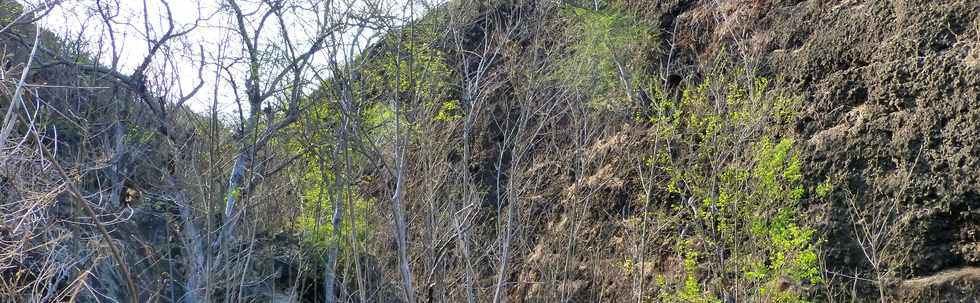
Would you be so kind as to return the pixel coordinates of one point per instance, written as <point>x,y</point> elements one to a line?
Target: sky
<point>79,19</point>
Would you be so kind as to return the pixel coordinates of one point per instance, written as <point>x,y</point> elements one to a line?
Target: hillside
<point>507,150</point>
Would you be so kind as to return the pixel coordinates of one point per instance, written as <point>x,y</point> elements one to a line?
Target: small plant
<point>824,188</point>
<point>692,291</point>
<point>449,111</point>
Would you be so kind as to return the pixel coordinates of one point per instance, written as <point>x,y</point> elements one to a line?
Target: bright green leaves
<point>412,70</point>
<point>315,221</point>
<point>606,55</point>
<point>768,195</point>
<point>449,111</point>
<point>235,194</point>
<point>415,69</point>
<point>739,179</point>
<point>692,292</point>
<point>824,189</point>
<point>402,78</point>
<point>791,252</point>
<point>322,194</point>
<point>777,170</point>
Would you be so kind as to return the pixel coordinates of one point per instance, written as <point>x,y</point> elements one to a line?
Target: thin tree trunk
<point>119,168</point>
<point>329,275</point>
<point>330,262</point>
<point>399,212</point>
<point>197,288</point>
<point>10,119</point>
<point>236,178</point>
<point>508,230</point>
<point>234,189</point>
<point>402,243</point>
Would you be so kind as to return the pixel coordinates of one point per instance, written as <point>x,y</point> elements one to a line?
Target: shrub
<point>607,49</point>
<point>738,177</point>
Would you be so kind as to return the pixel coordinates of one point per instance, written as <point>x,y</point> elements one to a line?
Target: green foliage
<point>9,10</point>
<point>692,291</point>
<point>320,197</point>
<point>775,229</point>
<point>234,193</point>
<point>415,71</point>
<point>320,190</point>
<point>449,111</point>
<point>607,54</point>
<point>824,189</point>
<point>405,67</point>
<point>741,181</point>
<point>412,67</point>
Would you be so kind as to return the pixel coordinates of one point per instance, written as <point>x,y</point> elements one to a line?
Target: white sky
<point>78,19</point>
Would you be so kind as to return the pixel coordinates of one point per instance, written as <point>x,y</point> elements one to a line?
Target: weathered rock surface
<point>891,115</point>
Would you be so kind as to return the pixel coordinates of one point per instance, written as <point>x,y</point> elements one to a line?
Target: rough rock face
<point>891,94</point>
<point>893,111</point>
<point>892,115</point>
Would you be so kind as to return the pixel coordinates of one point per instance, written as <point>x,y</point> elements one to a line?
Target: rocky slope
<point>891,111</point>
<point>892,106</point>
<point>891,115</point>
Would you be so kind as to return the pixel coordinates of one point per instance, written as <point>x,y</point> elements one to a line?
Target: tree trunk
<point>235,180</point>
<point>119,166</point>
<point>197,288</point>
